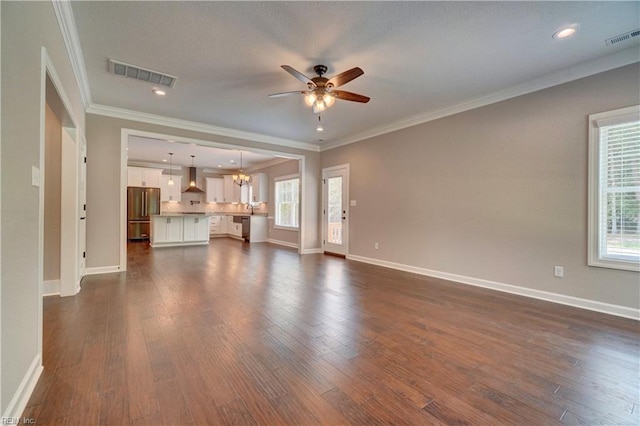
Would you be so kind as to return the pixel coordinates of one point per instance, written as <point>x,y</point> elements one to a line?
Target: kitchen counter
<point>179,229</point>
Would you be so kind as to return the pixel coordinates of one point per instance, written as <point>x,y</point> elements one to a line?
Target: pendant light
<point>192,183</point>
<point>170,183</point>
<point>240,178</point>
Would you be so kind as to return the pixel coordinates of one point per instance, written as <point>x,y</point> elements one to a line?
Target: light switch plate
<point>35,176</point>
<point>352,203</point>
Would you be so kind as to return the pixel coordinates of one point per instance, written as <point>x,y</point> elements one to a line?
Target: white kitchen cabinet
<point>170,192</point>
<point>215,190</point>
<point>259,188</point>
<point>218,225</point>
<point>166,230</point>
<point>235,193</point>
<point>258,230</point>
<point>196,228</point>
<point>143,176</point>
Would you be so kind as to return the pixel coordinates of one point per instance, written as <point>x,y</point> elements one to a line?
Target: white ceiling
<point>418,58</point>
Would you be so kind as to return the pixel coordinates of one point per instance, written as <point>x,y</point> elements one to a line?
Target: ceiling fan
<point>320,93</point>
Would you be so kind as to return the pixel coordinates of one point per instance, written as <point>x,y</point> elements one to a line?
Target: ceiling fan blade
<point>279,95</point>
<point>297,74</point>
<point>348,96</point>
<point>345,77</point>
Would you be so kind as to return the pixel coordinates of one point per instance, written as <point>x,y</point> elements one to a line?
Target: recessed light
<point>219,166</point>
<point>232,161</point>
<point>164,160</point>
<point>159,92</point>
<point>565,32</point>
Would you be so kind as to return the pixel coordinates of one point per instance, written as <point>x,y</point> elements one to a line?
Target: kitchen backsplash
<point>196,203</point>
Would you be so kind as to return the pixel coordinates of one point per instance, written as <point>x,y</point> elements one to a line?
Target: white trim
<point>312,251</point>
<point>124,177</point>
<point>125,133</point>
<point>66,22</point>
<point>592,305</point>
<point>160,120</point>
<point>51,288</point>
<point>18,403</point>
<point>593,203</point>
<point>275,204</point>
<point>102,270</point>
<point>283,243</point>
<point>585,69</point>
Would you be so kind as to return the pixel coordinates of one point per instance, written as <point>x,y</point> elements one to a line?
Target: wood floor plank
<point>236,333</point>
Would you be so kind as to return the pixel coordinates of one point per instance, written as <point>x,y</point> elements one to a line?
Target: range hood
<point>192,182</point>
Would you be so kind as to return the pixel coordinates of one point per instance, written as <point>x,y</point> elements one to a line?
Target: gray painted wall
<point>26,27</point>
<point>497,193</point>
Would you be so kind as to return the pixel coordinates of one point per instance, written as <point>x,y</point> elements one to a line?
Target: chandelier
<point>240,178</point>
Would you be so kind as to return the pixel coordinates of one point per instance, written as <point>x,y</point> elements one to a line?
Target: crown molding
<point>67,24</point>
<point>585,69</point>
<point>160,120</point>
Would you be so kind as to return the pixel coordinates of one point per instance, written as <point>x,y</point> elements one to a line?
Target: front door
<point>335,210</point>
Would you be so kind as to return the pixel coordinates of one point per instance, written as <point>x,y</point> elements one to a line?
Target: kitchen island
<point>179,229</point>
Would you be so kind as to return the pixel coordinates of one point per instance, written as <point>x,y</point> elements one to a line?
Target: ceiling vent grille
<point>142,74</point>
<point>622,37</point>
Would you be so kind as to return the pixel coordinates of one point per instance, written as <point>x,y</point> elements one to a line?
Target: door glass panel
<point>334,210</point>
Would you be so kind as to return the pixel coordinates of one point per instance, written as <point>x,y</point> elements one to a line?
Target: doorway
<point>62,183</point>
<point>335,210</point>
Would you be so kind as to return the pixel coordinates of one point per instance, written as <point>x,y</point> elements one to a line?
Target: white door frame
<point>124,141</point>
<point>345,172</point>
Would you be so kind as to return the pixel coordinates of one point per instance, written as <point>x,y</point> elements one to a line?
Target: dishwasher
<point>246,225</point>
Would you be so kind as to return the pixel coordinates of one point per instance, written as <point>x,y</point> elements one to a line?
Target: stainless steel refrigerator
<point>141,204</point>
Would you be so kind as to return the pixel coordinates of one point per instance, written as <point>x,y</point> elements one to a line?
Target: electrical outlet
<point>375,246</point>
<point>558,271</point>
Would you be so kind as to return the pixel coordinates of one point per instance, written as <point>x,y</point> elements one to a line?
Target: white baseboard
<point>21,397</point>
<point>282,243</point>
<point>102,270</point>
<point>592,305</point>
<point>51,288</point>
<point>312,251</point>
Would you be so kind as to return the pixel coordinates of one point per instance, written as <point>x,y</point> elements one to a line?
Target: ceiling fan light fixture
<point>310,98</point>
<point>328,99</point>
<point>319,106</point>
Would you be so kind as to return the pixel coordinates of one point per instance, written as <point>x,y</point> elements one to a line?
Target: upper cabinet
<point>260,188</point>
<point>234,193</point>
<point>143,176</point>
<point>170,192</point>
<point>215,190</point>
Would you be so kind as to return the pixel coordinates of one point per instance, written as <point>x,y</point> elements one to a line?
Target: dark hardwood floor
<point>235,333</point>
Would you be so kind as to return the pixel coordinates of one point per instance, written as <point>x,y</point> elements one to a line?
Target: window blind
<point>619,191</point>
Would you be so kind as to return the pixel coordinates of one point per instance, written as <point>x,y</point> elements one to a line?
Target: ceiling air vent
<point>143,74</point>
<point>622,37</point>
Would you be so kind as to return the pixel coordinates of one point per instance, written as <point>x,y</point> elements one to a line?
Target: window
<point>287,201</point>
<point>614,189</point>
